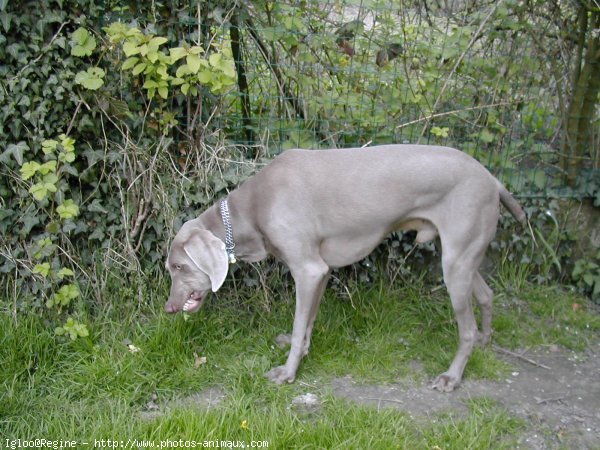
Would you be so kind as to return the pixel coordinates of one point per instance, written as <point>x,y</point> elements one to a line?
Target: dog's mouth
<point>193,303</point>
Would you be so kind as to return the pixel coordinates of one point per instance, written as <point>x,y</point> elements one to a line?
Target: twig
<point>459,61</point>
<point>400,402</point>
<point>456,111</point>
<point>540,401</point>
<point>519,356</point>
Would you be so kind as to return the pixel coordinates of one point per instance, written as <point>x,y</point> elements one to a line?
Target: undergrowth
<point>137,359</point>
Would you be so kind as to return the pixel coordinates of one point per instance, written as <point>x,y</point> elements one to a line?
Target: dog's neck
<point>229,240</point>
<point>249,245</point>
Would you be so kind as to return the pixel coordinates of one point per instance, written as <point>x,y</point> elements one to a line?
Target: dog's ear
<point>208,254</point>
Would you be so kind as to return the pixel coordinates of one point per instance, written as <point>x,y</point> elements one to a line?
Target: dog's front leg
<point>310,283</point>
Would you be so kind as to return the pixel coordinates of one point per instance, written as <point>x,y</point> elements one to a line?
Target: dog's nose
<point>170,308</point>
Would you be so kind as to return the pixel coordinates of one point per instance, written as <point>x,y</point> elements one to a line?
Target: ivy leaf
<point>68,157</point>
<point>64,272</point>
<point>29,169</point>
<point>82,43</point>
<point>49,146</point>
<point>68,210</point>
<point>440,132</point>
<point>68,144</point>
<point>91,79</point>
<point>16,150</point>
<point>39,191</point>
<point>47,167</point>
<point>42,269</point>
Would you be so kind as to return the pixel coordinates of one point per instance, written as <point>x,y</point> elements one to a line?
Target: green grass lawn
<point>138,359</point>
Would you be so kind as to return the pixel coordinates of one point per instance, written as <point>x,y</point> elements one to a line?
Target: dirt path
<point>559,398</point>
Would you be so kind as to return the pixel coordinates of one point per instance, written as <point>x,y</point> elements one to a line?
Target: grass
<point>101,388</point>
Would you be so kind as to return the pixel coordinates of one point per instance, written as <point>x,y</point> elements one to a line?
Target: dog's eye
<point>178,267</point>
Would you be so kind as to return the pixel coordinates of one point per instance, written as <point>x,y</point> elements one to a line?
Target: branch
<point>264,51</point>
<point>456,111</point>
<point>459,60</point>
<point>234,33</point>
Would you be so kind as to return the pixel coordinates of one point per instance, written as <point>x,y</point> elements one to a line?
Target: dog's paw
<point>483,339</point>
<point>280,375</point>
<point>445,383</point>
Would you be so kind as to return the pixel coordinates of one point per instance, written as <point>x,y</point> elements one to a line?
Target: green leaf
<point>130,62</point>
<point>139,69</point>
<point>42,269</point>
<point>29,169</point>
<point>66,157</point>
<point>65,294</point>
<point>177,53</point>
<point>64,272</point>
<point>205,77</point>
<point>157,41</point>
<point>16,150</point>
<point>90,79</point>
<point>47,167</point>
<point>150,84</point>
<point>152,56</point>
<point>163,92</point>
<point>68,144</point>
<point>39,191</point>
<point>130,48</point>
<point>193,62</point>
<point>162,71</point>
<point>82,42</point>
<point>487,136</point>
<point>182,71</point>
<point>68,210</point>
<point>50,178</point>
<point>49,146</point>
<point>215,59</point>
<point>440,132</point>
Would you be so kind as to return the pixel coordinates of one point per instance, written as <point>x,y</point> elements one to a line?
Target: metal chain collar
<point>229,243</point>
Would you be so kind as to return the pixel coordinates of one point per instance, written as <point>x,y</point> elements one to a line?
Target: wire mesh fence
<point>345,73</point>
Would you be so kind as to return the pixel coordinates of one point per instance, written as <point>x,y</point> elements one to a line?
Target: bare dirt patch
<point>203,400</point>
<point>560,401</point>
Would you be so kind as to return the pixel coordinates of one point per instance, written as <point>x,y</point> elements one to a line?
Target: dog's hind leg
<point>484,296</point>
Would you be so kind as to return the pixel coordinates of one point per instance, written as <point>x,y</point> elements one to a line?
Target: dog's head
<point>197,263</point>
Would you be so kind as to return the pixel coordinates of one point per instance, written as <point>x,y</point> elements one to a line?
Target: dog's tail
<point>511,204</point>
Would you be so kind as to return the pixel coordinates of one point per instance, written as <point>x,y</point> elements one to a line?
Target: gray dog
<point>321,209</point>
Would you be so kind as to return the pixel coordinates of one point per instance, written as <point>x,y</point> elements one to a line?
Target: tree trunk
<point>584,98</point>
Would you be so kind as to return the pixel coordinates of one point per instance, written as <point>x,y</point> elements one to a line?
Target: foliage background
<point>510,82</point>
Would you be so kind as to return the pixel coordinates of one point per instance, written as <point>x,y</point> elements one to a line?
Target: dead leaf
<point>199,360</point>
<point>576,307</point>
